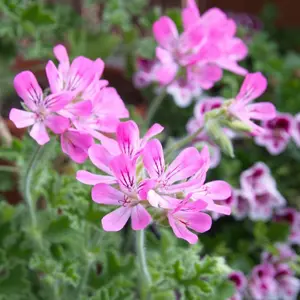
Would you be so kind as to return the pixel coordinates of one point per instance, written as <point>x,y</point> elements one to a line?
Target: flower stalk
<point>146,280</point>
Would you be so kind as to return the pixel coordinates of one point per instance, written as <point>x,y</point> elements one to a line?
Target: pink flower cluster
<point>273,279</point>
<point>193,60</point>
<point>137,180</point>
<point>258,197</point>
<point>80,106</point>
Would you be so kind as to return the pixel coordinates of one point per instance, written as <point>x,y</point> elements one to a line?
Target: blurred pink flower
<point>240,282</point>
<point>240,205</point>
<point>296,129</point>
<point>277,133</point>
<point>253,87</point>
<point>292,217</point>
<point>260,188</point>
<point>43,110</point>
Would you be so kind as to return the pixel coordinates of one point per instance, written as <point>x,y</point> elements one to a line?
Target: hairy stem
<point>155,104</point>
<point>182,142</point>
<point>144,272</point>
<point>28,183</point>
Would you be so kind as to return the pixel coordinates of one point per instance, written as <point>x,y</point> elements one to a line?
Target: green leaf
<point>278,232</point>
<point>146,48</point>
<point>36,15</point>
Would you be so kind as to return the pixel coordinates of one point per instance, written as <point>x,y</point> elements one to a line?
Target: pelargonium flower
<point>285,254</point>
<point>240,282</point>
<point>129,196</point>
<point>260,188</point>
<point>253,87</point>
<point>262,284</point>
<point>43,110</point>
<point>277,133</point>
<point>292,216</point>
<point>189,164</point>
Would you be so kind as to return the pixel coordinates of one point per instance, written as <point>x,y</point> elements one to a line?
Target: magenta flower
<point>253,87</point>
<point>277,133</point>
<point>292,217</point>
<point>127,197</point>
<point>189,164</point>
<point>128,139</point>
<point>240,282</point>
<point>43,110</point>
<point>285,255</point>
<point>260,188</point>
<point>262,283</point>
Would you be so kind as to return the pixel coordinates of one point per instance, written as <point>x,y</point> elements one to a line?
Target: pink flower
<point>260,188</point>
<point>184,214</point>
<point>262,283</point>
<point>189,164</point>
<point>285,255</point>
<point>76,144</point>
<point>253,87</point>
<point>128,139</point>
<point>240,282</point>
<point>145,74</point>
<point>296,129</point>
<point>43,110</point>
<point>128,197</point>
<point>292,217</point>
<point>226,203</point>
<point>277,133</point>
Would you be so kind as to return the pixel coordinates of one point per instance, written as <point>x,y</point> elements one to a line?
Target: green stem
<point>146,281</point>
<point>182,142</point>
<point>28,182</point>
<point>8,169</point>
<point>155,104</point>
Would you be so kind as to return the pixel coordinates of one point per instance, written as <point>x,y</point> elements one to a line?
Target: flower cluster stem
<point>155,104</point>
<point>28,183</point>
<point>182,142</point>
<point>146,281</point>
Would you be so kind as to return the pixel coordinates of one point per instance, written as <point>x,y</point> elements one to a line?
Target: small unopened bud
<point>238,125</point>
<point>217,134</point>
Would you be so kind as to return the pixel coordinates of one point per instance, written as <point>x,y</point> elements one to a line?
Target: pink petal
<point>190,14</point>
<point>140,218</point>
<point>57,124</point>
<point>56,102</point>
<point>153,158</point>
<point>186,164</point>
<point>107,123</point>
<point>128,137</point>
<point>165,73</point>
<point>39,133</point>
<point>154,130</point>
<point>75,144</point>
<point>117,219</point>
<point>105,194</point>
<point>158,201</point>
<point>81,109</point>
<point>124,170</point>
<point>253,87</point>
<point>100,157</point>
<point>144,187</point>
<point>198,221</point>
<point>232,66</point>
<point>181,231</point>
<point>21,118</point>
<point>262,111</point>
<point>28,89</point>
<point>217,190</point>
<point>92,179</point>
<point>55,78</point>
<point>61,54</point>
<point>99,67</point>
<point>164,56</point>
<point>165,32</point>
<point>109,144</point>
